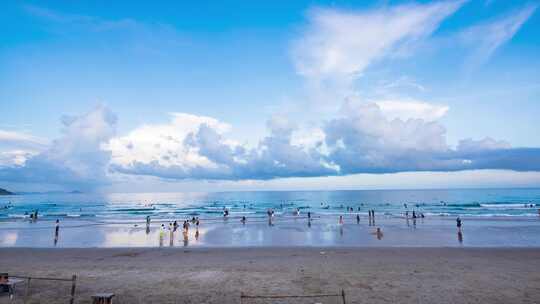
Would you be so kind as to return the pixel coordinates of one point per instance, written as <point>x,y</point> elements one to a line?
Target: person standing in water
<point>56,231</point>
<point>341,219</point>
<point>161,235</point>
<point>147,224</point>
<point>358,218</point>
<point>171,234</point>
<point>458,223</point>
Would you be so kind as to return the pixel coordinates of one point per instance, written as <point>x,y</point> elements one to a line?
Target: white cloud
<point>488,143</point>
<point>196,147</point>
<point>412,109</point>
<point>486,38</point>
<point>17,147</point>
<point>164,143</point>
<point>77,158</point>
<point>14,157</point>
<point>20,138</point>
<point>340,45</point>
<point>361,140</point>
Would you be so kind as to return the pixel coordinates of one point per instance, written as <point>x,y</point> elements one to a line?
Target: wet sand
<point>216,275</point>
<point>284,232</point>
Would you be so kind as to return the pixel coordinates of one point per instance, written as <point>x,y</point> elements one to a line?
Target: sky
<point>269,95</point>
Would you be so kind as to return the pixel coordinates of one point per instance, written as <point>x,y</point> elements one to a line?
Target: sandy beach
<point>212,275</point>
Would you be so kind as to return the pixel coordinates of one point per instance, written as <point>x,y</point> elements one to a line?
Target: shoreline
<point>281,232</point>
<point>219,275</point>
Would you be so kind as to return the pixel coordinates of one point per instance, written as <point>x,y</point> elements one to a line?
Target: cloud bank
<point>360,140</point>
<point>77,158</point>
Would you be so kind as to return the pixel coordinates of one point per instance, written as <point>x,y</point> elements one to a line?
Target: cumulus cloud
<point>77,158</point>
<point>340,45</point>
<point>363,140</point>
<point>202,151</point>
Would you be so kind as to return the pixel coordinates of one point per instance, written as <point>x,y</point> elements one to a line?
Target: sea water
<point>485,203</point>
<point>491,218</point>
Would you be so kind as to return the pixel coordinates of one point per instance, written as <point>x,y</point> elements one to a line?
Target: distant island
<point>5,192</point>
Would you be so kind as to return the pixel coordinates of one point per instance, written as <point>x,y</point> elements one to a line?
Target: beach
<point>493,258</point>
<point>219,275</point>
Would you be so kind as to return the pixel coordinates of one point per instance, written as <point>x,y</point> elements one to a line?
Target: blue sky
<point>269,95</point>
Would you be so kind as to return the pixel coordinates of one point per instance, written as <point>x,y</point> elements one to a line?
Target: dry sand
<point>376,275</point>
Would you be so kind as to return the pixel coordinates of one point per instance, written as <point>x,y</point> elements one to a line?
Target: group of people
<point>33,215</point>
<point>415,215</point>
<point>173,227</point>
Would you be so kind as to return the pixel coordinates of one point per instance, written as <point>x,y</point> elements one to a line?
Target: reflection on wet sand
<point>272,231</point>
<point>378,233</point>
<point>186,238</point>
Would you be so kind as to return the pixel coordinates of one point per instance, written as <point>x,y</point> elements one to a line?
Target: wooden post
<point>73,284</point>
<point>27,290</point>
<point>343,296</point>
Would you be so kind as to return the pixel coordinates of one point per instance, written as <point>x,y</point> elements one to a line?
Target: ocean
<point>491,218</point>
<point>483,203</point>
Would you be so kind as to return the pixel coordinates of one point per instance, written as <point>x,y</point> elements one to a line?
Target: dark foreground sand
<point>377,275</point>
